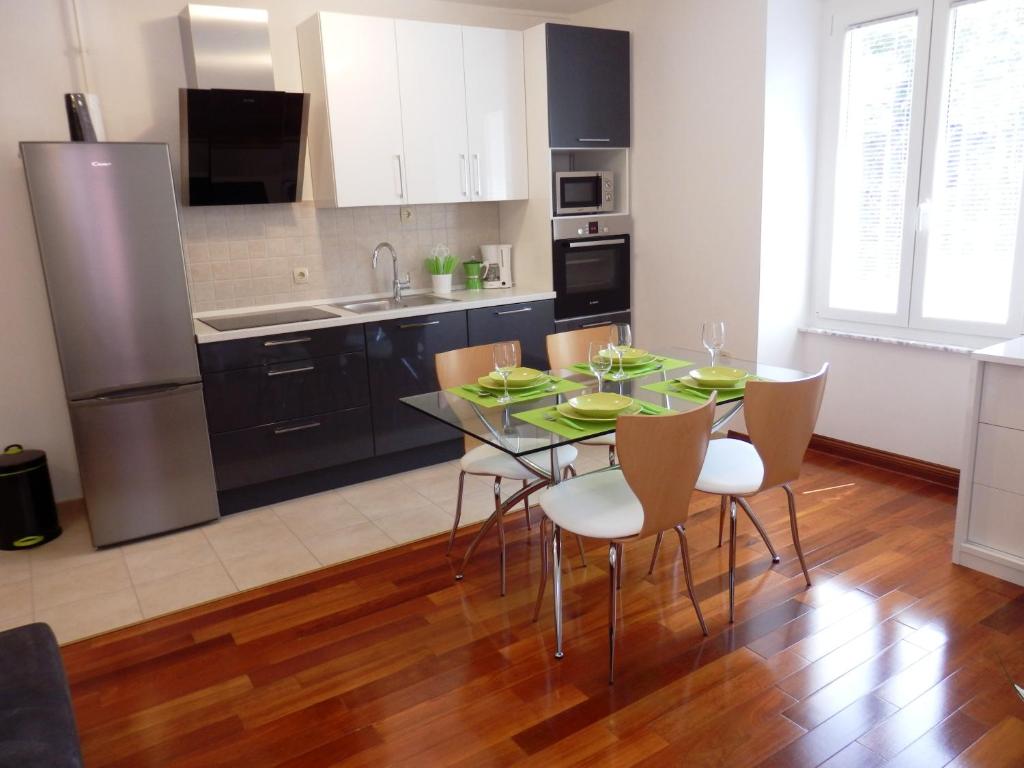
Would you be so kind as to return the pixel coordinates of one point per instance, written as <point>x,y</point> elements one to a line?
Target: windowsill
<point>931,346</point>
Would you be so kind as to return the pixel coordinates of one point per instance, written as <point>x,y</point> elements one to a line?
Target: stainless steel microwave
<point>584,192</point>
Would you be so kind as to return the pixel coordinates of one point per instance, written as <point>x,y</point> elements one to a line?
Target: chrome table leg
<point>556,567</point>
<point>732,559</point>
<point>458,513</point>
<point>501,531</point>
<point>614,581</point>
<point>543,566</point>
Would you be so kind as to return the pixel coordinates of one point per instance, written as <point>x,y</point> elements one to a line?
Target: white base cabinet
<point>413,112</point>
<point>990,511</point>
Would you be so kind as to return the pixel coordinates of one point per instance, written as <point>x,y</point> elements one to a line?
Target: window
<point>923,165</point>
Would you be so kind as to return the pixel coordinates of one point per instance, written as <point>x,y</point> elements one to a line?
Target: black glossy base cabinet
<point>529,322</point>
<point>293,411</point>
<point>400,361</point>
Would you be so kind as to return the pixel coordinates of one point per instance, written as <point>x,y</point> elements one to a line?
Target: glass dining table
<point>529,427</point>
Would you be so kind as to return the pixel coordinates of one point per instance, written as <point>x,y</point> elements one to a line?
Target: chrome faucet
<point>396,285</point>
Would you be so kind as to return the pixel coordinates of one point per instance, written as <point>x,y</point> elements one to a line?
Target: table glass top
<point>498,426</point>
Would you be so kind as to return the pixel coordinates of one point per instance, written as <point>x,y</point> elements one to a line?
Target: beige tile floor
<point>80,591</point>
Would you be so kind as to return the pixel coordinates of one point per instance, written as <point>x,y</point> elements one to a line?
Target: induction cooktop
<point>261,319</point>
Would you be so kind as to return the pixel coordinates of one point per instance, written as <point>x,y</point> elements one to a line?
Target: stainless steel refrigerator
<point>107,225</point>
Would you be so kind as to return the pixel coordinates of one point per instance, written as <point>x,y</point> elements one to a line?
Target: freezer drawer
<point>145,463</point>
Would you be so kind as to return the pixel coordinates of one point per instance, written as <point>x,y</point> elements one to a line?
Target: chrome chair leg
<point>684,550</point>
<point>621,567</point>
<point>791,498</point>
<point>614,582</point>
<point>612,461</point>
<point>501,531</point>
<point>721,518</point>
<point>543,566</point>
<point>583,554</point>
<point>556,571</point>
<point>760,527</point>
<point>654,554</point>
<point>732,559</point>
<point>458,514</point>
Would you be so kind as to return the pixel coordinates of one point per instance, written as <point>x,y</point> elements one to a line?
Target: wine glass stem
<point>504,380</point>
<point>599,376</point>
<point>622,373</point>
<point>714,357</point>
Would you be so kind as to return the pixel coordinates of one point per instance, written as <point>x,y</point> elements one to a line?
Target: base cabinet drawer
<point>1001,401</point>
<point>270,452</point>
<point>285,391</point>
<point>997,520</point>
<point>997,462</point>
<point>279,348</point>
<point>528,322</point>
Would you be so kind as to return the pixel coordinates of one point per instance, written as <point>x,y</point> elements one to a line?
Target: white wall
<point>698,118</point>
<point>136,66</point>
<point>787,208</point>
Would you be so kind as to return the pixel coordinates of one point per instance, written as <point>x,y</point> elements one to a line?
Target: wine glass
<point>712,334</point>
<point>623,338</point>
<point>599,355</point>
<point>504,362</point>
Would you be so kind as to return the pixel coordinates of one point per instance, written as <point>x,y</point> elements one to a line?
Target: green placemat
<point>666,364</point>
<point>674,389</point>
<point>471,392</point>
<point>563,428</point>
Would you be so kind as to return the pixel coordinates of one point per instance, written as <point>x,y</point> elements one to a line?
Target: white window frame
<point>930,61</point>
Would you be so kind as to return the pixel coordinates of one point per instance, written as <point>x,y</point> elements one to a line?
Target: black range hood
<point>242,146</point>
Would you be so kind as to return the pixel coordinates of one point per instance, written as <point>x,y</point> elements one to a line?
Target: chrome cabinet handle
<point>282,342</point>
<point>300,428</point>
<point>595,243</point>
<point>464,175</point>
<point>514,311</point>
<point>286,371</point>
<point>419,325</point>
<point>479,184</point>
<point>603,140</point>
<point>401,179</point>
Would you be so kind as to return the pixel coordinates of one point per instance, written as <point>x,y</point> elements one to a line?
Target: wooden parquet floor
<point>894,657</point>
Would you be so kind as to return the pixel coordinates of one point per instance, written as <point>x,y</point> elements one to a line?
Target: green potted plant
<point>441,264</point>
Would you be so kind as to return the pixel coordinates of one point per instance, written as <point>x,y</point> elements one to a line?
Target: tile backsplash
<point>244,255</point>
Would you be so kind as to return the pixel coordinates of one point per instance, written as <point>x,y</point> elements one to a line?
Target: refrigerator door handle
<point>138,393</point>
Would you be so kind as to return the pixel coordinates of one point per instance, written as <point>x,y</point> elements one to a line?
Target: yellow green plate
<point>718,377</point>
<point>496,386</point>
<point>630,355</point>
<point>569,412</point>
<point>605,405</point>
<point>518,377</point>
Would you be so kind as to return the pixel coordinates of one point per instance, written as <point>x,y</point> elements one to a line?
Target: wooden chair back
<point>465,366</point>
<point>780,418</point>
<point>661,458</point>
<point>570,347</point>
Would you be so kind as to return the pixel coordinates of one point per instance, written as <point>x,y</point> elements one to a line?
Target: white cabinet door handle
<point>401,180</point>
<point>464,175</point>
<point>476,175</point>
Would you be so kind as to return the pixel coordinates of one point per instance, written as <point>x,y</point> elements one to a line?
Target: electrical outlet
<point>300,275</point>
<point>405,213</point>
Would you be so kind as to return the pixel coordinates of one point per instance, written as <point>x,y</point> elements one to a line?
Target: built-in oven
<point>584,192</point>
<point>591,266</point>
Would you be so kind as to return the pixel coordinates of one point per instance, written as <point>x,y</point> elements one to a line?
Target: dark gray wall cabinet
<point>588,86</point>
<point>529,322</point>
<point>400,361</point>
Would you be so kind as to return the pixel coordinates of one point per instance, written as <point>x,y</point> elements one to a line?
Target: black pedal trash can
<point>28,513</point>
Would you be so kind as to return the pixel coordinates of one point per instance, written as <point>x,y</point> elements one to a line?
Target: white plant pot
<point>441,283</point>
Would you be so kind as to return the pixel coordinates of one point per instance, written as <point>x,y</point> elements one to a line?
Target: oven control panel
<point>592,228</point>
<point>600,226</point>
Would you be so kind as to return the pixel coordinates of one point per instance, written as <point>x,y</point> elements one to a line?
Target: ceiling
<point>559,7</point>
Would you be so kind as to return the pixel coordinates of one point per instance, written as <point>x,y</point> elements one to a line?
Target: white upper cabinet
<point>413,112</point>
<point>433,92</point>
<point>350,68</point>
<point>495,113</point>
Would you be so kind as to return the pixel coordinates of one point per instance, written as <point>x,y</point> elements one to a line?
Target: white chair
<point>660,458</point>
<point>569,347</point>
<point>780,418</point>
<point>465,366</point>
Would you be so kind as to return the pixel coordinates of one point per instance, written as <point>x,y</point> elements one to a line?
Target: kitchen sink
<point>380,305</point>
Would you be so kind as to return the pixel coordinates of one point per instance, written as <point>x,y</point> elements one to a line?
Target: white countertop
<point>461,301</point>
<point>1007,352</point>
